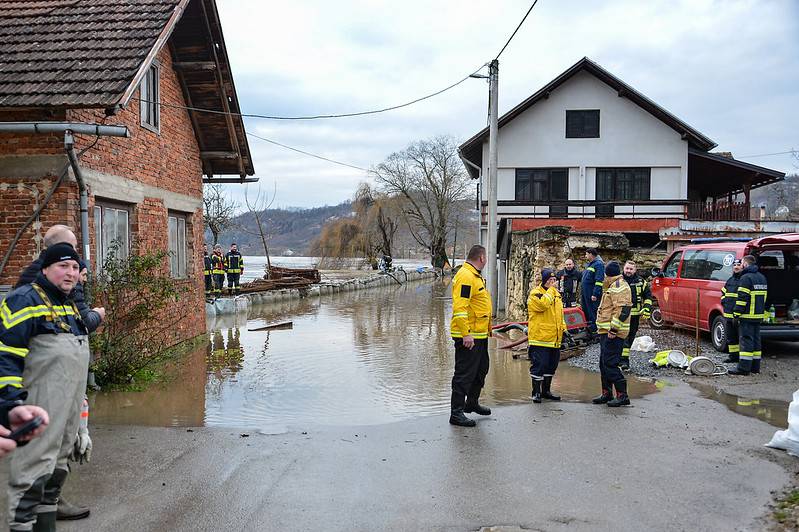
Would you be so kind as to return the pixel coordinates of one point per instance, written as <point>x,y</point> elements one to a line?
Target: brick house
<point>138,65</point>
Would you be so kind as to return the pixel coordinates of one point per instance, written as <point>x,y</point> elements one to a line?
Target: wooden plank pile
<point>280,278</point>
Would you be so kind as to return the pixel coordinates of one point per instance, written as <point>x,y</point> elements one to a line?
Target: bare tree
<point>379,215</point>
<point>258,207</point>
<point>218,210</point>
<point>429,177</point>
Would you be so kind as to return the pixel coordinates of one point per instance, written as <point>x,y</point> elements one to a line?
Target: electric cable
<point>767,154</point>
<point>516,30</point>
<point>305,152</point>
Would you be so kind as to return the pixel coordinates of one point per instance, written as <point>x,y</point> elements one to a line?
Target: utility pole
<point>491,235</point>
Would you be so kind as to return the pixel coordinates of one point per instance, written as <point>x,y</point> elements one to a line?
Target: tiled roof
<point>75,53</point>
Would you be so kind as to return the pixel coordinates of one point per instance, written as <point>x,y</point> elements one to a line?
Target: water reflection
<point>355,358</point>
<point>768,410</point>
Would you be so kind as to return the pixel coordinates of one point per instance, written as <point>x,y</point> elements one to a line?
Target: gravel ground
<point>685,341</point>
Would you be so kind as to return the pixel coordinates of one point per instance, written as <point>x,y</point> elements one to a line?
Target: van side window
<point>670,270</point>
<point>771,260</point>
<point>710,265</point>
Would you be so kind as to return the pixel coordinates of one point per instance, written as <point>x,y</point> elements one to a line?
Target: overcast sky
<point>727,67</point>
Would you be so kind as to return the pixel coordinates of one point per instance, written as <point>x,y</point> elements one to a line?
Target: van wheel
<point>656,319</point>
<point>718,334</point>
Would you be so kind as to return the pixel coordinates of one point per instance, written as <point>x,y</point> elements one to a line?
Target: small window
<point>150,95</point>
<point>670,270</point>
<point>177,245</point>
<point>542,184</point>
<point>707,265</point>
<point>111,232</point>
<point>623,184</point>
<point>582,124</point>
<point>771,260</point>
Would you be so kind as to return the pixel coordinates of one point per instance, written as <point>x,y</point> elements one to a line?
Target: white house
<point>595,154</point>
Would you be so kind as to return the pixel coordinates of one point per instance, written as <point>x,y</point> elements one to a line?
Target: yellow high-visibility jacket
<point>471,304</point>
<point>614,309</point>
<point>545,321</point>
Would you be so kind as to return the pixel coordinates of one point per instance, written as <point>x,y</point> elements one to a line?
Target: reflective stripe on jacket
<point>471,304</point>
<point>752,291</point>
<point>24,313</point>
<point>729,295</point>
<point>545,321</point>
<point>234,262</point>
<point>217,265</point>
<point>207,265</point>
<point>640,294</point>
<point>593,277</point>
<point>614,309</point>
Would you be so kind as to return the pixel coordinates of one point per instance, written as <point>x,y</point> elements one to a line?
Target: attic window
<point>150,95</point>
<point>582,124</point>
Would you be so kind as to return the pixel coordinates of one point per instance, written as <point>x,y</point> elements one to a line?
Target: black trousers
<point>471,368</point>
<point>750,354</point>
<point>209,284</point>
<point>543,361</point>
<point>233,281</point>
<point>609,359</point>
<point>589,308</point>
<point>731,331</point>
<point>635,321</point>
<point>569,298</point>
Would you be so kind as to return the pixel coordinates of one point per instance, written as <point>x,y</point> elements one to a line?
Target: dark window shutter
<point>582,124</point>
<point>560,185</point>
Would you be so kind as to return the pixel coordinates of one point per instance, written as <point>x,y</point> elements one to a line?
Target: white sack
<point>643,343</point>
<point>788,439</point>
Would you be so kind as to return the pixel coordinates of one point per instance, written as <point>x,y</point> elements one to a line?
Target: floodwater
<point>768,410</point>
<point>256,265</point>
<point>358,358</point>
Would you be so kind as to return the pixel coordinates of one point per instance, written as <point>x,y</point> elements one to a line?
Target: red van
<point>699,271</point>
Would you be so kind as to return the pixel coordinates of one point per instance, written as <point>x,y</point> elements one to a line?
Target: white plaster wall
<point>629,136</point>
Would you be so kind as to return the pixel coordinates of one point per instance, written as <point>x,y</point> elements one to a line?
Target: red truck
<point>699,271</point>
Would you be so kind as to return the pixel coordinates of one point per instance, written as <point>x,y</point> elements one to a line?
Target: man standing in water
<point>470,328</point>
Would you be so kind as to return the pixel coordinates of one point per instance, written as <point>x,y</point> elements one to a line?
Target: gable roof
<point>472,149</point>
<point>93,54</point>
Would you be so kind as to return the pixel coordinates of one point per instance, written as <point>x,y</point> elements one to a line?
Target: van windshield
<point>711,265</point>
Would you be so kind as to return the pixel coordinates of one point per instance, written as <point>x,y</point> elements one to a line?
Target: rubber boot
<point>547,390</point>
<point>622,399</point>
<point>536,391</point>
<point>70,512</point>
<point>755,365</point>
<point>45,522</point>
<point>743,368</point>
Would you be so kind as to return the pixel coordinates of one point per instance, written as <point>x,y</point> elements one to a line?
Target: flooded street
<point>359,358</point>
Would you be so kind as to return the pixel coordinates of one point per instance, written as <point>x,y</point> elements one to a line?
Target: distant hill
<point>287,229</point>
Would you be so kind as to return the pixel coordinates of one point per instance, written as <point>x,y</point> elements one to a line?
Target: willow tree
<point>430,179</point>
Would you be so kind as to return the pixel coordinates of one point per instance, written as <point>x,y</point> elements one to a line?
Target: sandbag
<point>643,343</point>
<point>788,439</point>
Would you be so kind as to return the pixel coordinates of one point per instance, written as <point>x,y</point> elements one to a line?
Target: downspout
<point>69,146</point>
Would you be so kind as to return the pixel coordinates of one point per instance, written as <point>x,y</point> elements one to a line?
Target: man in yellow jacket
<point>613,326</point>
<point>470,329</point>
<point>545,328</point>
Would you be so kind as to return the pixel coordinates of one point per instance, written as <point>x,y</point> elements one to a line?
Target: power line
<point>305,152</point>
<point>517,29</point>
<point>313,117</point>
<point>767,154</point>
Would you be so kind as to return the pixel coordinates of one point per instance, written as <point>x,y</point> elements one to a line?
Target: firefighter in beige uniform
<point>44,360</point>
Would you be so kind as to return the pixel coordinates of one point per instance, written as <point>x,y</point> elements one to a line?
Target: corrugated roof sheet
<point>75,53</point>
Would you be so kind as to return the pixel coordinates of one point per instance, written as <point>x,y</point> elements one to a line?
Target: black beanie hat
<point>612,269</point>
<point>59,252</point>
<point>546,273</point>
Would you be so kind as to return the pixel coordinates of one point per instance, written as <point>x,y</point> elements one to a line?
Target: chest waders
<point>55,376</point>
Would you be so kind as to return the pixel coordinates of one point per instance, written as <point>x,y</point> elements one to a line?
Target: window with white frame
<point>177,245</point>
<point>111,232</point>
<point>149,95</point>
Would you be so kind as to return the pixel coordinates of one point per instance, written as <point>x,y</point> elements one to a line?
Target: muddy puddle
<point>768,410</point>
<point>358,358</point>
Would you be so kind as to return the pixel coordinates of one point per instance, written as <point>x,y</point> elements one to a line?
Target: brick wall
<point>169,160</point>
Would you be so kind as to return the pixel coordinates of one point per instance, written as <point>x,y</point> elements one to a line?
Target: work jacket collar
<point>749,269</point>
<point>470,267</point>
<point>52,291</point>
<point>610,280</point>
<point>634,278</point>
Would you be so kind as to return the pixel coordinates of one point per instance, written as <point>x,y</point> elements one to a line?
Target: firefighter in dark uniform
<point>207,276</point>
<point>613,323</point>
<point>729,295</point>
<point>568,281</point>
<point>234,266</point>
<point>750,309</point>
<point>591,287</point>
<point>218,270</point>
<point>470,328</point>
<point>546,326</point>
<point>641,307</point>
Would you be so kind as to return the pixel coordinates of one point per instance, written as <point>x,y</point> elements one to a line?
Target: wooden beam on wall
<point>188,66</point>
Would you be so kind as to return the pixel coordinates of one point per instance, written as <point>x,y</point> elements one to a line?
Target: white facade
<point>629,136</point>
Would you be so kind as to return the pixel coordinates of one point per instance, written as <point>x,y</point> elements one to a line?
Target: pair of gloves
<point>82,450</point>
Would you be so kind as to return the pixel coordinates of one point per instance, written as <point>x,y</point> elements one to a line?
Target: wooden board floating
<point>274,326</point>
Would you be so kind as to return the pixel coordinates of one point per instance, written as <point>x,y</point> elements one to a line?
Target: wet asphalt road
<point>672,461</point>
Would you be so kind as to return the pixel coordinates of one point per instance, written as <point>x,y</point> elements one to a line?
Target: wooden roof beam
<point>194,66</point>
<point>219,155</point>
